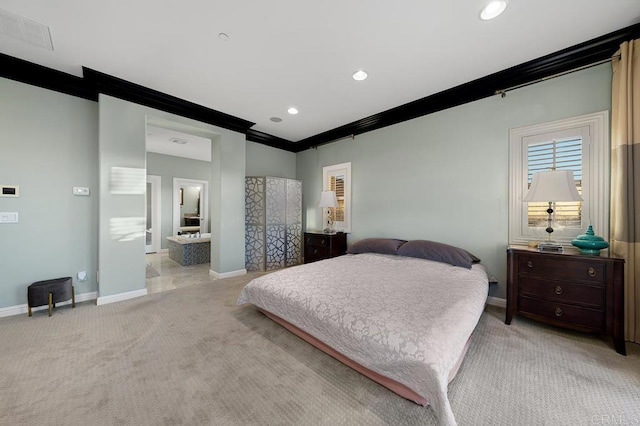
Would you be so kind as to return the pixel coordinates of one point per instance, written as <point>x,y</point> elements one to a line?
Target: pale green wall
<point>226,201</point>
<point>121,142</point>
<point>169,167</point>
<point>48,144</point>
<point>264,160</point>
<point>444,176</point>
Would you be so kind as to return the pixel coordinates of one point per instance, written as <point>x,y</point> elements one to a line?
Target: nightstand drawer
<point>312,253</point>
<point>318,245</point>
<point>561,312</point>
<point>562,268</point>
<point>316,240</point>
<point>587,295</point>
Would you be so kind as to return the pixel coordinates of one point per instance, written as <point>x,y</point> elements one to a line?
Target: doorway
<point>153,223</point>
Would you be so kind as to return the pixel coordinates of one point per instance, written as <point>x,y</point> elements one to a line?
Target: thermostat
<point>9,191</point>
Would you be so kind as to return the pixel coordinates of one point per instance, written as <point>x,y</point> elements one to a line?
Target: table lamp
<point>329,201</point>
<point>556,185</point>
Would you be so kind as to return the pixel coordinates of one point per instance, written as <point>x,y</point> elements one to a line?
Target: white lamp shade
<point>557,185</point>
<point>328,199</point>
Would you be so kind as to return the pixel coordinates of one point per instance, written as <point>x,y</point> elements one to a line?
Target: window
<point>556,155</point>
<point>338,178</point>
<point>579,144</point>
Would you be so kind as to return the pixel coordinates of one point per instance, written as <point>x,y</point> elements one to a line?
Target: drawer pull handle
<point>530,264</point>
<point>323,242</point>
<point>558,312</point>
<point>558,290</point>
<point>592,272</point>
<point>315,251</point>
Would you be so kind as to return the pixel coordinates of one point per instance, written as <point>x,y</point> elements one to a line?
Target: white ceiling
<point>298,53</point>
<point>160,140</point>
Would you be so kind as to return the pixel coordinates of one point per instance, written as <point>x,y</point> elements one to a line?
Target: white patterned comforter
<point>405,318</point>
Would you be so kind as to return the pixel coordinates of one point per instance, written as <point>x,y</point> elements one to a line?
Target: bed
<point>397,316</point>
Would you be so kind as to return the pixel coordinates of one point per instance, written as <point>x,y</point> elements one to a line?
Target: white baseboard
<point>104,300</point>
<point>219,275</point>
<point>497,301</point>
<point>23,309</point>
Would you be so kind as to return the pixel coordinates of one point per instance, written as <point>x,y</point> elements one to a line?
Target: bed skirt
<point>392,385</point>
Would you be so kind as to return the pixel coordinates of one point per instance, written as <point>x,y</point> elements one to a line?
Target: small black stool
<point>50,292</point>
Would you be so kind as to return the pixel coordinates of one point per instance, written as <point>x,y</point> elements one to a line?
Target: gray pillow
<point>438,252</point>
<point>376,245</point>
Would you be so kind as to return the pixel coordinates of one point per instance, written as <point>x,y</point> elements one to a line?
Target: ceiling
<point>292,53</point>
<point>178,144</point>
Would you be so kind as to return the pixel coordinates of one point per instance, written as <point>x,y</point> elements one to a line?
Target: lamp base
<point>550,246</point>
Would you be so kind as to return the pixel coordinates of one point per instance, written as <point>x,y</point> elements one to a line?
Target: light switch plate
<point>80,190</point>
<point>9,217</point>
<point>12,191</point>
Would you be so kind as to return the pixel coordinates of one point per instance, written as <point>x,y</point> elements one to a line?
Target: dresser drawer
<point>316,240</point>
<point>588,295</point>
<point>313,253</point>
<point>560,268</point>
<point>561,312</point>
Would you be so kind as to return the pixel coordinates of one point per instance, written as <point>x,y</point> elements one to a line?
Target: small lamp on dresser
<point>550,187</point>
<point>329,201</point>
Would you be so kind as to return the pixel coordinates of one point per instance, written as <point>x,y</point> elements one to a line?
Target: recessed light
<point>293,110</point>
<point>493,9</point>
<point>223,36</point>
<point>179,141</point>
<point>276,119</point>
<point>360,75</point>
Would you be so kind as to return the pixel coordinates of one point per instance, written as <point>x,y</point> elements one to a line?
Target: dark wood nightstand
<point>318,246</point>
<point>571,290</point>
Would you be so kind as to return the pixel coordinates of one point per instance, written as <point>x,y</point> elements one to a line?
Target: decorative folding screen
<point>273,222</point>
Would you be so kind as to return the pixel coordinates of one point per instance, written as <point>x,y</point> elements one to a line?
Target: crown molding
<point>564,60</point>
<point>122,89</point>
<point>47,78</point>
<point>95,82</point>
<point>270,140</point>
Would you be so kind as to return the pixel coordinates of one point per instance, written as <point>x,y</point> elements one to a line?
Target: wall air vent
<point>25,29</point>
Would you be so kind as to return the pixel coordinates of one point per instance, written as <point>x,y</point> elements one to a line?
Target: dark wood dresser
<point>571,290</point>
<point>318,245</point>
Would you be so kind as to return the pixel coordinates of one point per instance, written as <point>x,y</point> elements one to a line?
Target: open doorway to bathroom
<point>182,161</point>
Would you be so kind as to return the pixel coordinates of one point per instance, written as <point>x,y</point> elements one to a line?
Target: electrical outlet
<point>82,276</point>
<point>80,190</point>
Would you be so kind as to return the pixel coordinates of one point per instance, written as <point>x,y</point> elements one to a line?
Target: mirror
<point>190,206</point>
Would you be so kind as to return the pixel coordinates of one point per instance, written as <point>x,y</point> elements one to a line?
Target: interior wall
<point>121,257</point>
<point>226,202</point>
<point>264,160</point>
<point>49,144</point>
<point>168,167</point>
<point>444,176</point>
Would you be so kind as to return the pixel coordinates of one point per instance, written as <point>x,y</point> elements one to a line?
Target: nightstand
<point>571,290</point>
<point>318,245</point>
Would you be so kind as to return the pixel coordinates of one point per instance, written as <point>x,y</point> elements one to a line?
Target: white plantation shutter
<point>338,178</point>
<point>556,155</point>
<point>336,183</point>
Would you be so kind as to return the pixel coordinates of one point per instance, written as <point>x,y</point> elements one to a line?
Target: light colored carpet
<point>190,356</point>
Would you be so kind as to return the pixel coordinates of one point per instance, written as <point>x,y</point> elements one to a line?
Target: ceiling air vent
<point>25,29</point>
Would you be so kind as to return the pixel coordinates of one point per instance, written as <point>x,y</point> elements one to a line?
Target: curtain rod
<point>503,92</point>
